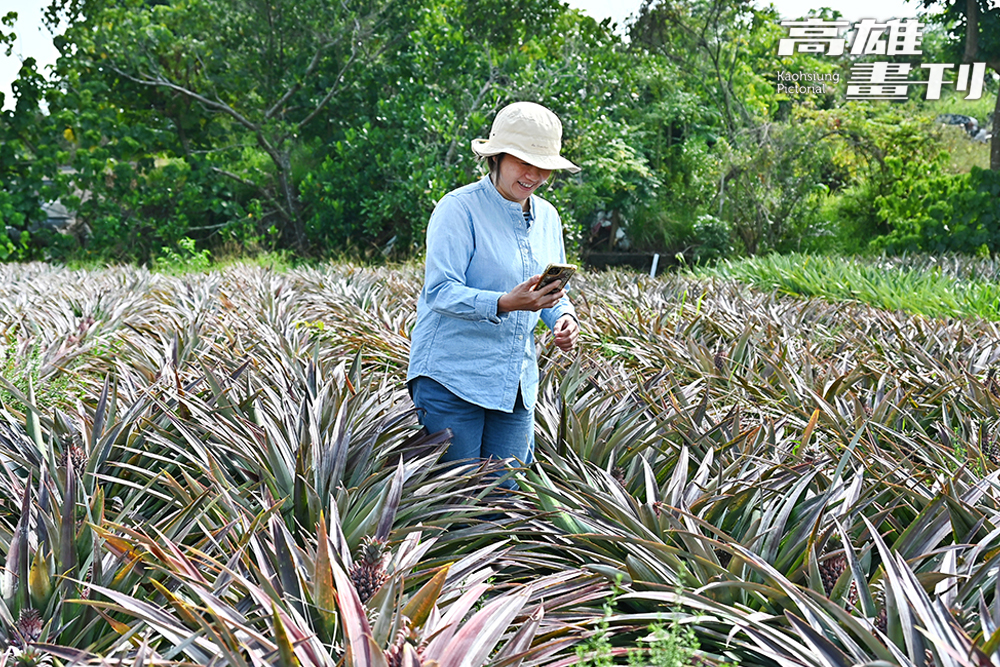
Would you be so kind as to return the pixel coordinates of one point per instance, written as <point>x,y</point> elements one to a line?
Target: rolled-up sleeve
<point>479,247</point>
<point>563,307</point>
<point>451,242</point>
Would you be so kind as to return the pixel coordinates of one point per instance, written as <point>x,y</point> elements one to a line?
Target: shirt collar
<point>487,184</point>
<point>529,215</point>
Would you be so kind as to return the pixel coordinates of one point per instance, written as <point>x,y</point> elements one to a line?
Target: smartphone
<point>556,273</point>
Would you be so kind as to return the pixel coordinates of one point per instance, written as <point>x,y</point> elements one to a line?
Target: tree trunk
<point>971,30</point>
<point>296,231</point>
<point>971,54</point>
<point>995,141</point>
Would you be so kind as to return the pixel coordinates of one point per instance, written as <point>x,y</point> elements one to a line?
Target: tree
<point>975,26</point>
<point>407,137</point>
<point>241,84</point>
<point>27,158</point>
<point>724,52</point>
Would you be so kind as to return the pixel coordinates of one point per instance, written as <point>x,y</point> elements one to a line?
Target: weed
<point>596,651</point>
<point>915,287</point>
<point>21,369</point>
<point>671,646</point>
<point>667,645</point>
<point>279,261</point>
<point>185,259</point>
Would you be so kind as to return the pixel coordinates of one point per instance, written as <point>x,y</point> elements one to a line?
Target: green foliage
<point>405,145</point>
<point>8,39</point>
<point>858,149</point>
<point>134,210</point>
<point>932,211</point>
<point>665,646</point>
<point>26,373</point>
<point>334,128</point>
<point>973,34</point>
<point>228,95</point>
<point>185,258</point>
<point>669,646</point>
<point>723,154</point>
<point>914,285</point>
<point>12,223</point>
<point>713,238</point>
<point>29,156</point>
<point>663,229</point>
<point>619,179</point>
<point>368,208</point>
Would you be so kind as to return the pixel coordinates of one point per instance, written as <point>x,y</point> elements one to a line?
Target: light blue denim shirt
<point>479,247</point>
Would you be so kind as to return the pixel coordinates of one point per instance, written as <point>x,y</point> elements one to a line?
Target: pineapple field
<point>224,468</point>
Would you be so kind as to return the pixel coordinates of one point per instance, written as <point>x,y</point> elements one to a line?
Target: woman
<point>472,353</point>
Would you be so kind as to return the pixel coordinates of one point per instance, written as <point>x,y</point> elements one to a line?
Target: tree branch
<point>218,105</point>
<point>160,82</point>
<point>313,64</point>
<point>453,148</point>
<point>334,89</point>
<point>250,184</point>
<point>235,177</point>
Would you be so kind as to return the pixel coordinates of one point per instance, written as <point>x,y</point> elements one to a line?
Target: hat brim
<point>484,148</point>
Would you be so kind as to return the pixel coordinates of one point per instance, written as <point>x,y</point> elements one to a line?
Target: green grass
<point>187,259</point>
<point>58,390</point>
<point>932,287</point>
<point>963,153</point>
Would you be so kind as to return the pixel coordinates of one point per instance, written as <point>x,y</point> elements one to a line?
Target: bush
<point>375,191</point>
<point>770,186</point>
<point>138,208</point>
<point>931,211</point>
<point>861,147</point>
<point>186,258</point>
<point>12,241</point>
<point>713,238</point>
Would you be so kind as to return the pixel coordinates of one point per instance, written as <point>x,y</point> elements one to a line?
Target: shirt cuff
<point>486,306</point>
<point>561,309</point>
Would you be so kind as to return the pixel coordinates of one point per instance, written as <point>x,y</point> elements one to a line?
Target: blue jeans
<point>477,433</point>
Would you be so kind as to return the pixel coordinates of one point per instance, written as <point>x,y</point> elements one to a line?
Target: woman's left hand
<point>566,330</point>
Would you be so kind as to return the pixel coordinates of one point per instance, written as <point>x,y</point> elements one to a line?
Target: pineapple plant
<point>29,627</point>
<point>222,430</point>
<point>74,453</point>
<point>368,572</point>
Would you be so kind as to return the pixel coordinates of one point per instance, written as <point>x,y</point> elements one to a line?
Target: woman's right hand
<point>525,297</point>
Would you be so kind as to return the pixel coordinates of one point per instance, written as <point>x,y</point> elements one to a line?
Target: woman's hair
<point>493,162</point>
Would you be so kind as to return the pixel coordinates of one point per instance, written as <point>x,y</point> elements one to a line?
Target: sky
<point>35,41</point>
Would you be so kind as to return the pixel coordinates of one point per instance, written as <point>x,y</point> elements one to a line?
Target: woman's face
<point>516,179</point>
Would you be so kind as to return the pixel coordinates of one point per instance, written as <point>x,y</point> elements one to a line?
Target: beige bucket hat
<point>528,131</point>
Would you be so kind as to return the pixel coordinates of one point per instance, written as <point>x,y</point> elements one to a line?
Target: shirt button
<point>520,337</point>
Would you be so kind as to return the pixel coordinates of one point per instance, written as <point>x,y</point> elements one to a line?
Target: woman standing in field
<point>473,366</point>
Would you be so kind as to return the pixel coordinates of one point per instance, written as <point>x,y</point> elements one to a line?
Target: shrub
<point>713,238</point>
<point>184,259</point>
<point>929,210</point>
<point>12,241</point>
